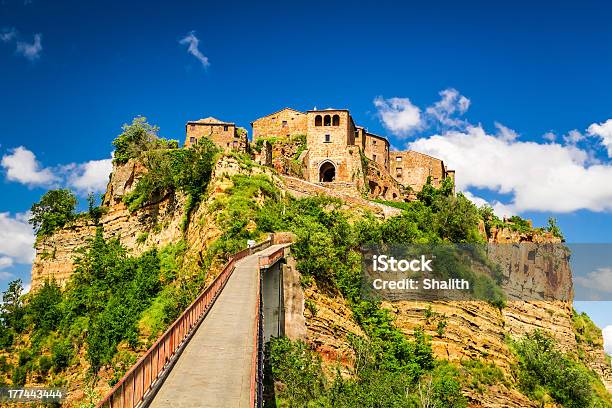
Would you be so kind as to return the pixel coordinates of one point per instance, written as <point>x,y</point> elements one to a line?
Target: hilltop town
<point>326,147</point>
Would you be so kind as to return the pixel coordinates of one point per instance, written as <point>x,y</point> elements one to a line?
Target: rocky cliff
<point>459,330</point>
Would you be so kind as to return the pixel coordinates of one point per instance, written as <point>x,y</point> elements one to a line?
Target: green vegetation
<point>179,170</point>
<point>544,373</point>
<point>304,384</point>
<point>55,209</point>
<point>137,138</point>
<point>585,330</point>
<point>480,375</point>
<point>104,307</point>
<point>554,229</point>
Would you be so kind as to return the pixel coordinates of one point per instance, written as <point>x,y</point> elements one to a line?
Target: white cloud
<point>91,176</point>
<point>549,136</point>
<point>398,115</point>
<point>573,137</point>
<point>21,166</point>
<point>604,131</point>
<point>193,43</point>
<point>599,279</point>
<point>401,118</point>
<point>541,177</point>
<point>607,336</point>
<point>500,209</point>
<point>5,262</point>
<point>5,276</point>
<point>452,103</point>
<point>505,133</point>
<point>16,238</point>
<point>8,34</point>
<point>31,50</point>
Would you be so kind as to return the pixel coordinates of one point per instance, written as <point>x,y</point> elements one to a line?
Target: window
<point>192,140</point>
<point>318,120</point>
<point>398,172</point>
<point>327,138</point>
<point>225,128</point>
<point>373,142</point>
<point>398,158</point>
<point>336,120</point>
<point>192,126</point>
<point>374,157</point>
<point>284,123</point>
<point>228,145</point>
<point>327,120</point>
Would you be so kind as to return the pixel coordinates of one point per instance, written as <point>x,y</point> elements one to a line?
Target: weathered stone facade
<point>377,149</point>
<point>283,123</point>
<point>224,134</point>
<point>412,169</point>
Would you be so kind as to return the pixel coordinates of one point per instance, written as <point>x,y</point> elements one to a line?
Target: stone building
<point>224,134</point>
<point>283,123</point>
<point>412,169</point>
<point>338,153</point>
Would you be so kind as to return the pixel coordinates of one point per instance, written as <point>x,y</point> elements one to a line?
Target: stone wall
<point>412,168</point>
<point>284,123</point>
<point>381,185</point>
<point>377,149</point>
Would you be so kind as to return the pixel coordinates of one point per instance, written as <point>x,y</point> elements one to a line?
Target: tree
<point>44,307</point>
<point>136,138</point>
<point>553,228</point>
<point>54,210</point>
<point>11,310</point>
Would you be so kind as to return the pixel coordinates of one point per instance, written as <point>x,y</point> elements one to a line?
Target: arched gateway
<point>327,172</point>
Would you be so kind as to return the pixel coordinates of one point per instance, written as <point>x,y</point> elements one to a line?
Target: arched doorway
<point>327,172</point>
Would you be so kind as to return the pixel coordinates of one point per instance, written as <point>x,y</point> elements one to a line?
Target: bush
<point>44,307</point>
<point>542,370</point>
<point>19,376</point>
<point>61,354</point>
<point>45,363</point>
<point>55,209</point>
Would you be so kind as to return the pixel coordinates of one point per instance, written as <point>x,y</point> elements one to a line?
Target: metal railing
<point>130,391</point>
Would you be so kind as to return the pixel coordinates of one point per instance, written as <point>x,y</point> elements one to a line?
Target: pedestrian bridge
<point>212,355</point>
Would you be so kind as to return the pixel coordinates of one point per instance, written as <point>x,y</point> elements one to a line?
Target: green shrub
<point>299,368</point>
<point>44,307</point>
<point>45,363</point>
<point>55,209</point>
<point>61,354</point>
<point>542,370</point>
<point>19,376</point>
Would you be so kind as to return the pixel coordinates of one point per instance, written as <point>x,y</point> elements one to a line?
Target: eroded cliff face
<point>157,224</point>
<point>477,330</point>
<point>160,222</point>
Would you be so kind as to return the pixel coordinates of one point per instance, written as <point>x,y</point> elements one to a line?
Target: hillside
<point>107,282</point>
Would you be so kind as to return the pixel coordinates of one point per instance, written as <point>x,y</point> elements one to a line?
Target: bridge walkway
<point>214,369</point>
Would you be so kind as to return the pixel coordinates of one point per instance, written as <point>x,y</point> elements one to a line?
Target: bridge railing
<point>140,379</point>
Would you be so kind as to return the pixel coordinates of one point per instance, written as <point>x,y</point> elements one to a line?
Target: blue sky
<point>72,72</point>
